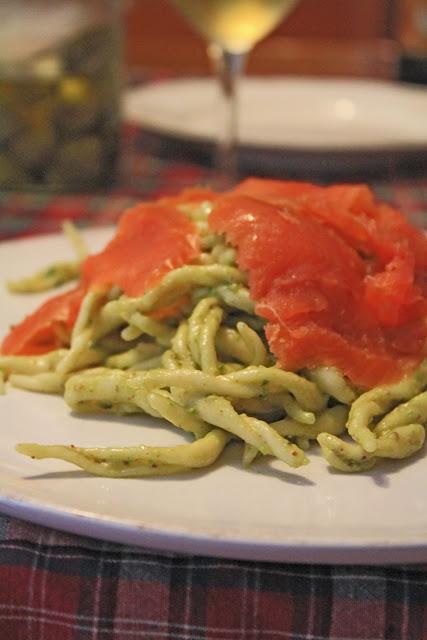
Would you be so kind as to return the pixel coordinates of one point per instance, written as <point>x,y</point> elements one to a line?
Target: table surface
<point>54,585</point>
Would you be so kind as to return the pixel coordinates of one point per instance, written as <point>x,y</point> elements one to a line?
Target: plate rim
<point>153,538</point>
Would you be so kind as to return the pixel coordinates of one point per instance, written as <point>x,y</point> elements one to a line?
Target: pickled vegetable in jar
<point>59,93</point>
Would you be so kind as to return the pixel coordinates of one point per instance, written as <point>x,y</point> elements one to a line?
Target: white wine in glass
<point>232,28</point>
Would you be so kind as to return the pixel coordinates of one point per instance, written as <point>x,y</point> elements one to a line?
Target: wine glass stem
<point>228,68</point>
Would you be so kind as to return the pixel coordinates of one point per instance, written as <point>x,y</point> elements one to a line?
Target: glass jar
<point>411,32</point>
<point>59,93</point>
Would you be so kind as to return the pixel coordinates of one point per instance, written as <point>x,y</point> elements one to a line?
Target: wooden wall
<point>320,36</point>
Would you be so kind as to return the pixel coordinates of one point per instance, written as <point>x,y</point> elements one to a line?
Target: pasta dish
<point>283,315</point>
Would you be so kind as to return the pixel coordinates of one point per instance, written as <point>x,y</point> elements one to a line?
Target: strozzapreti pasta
<point>191,350</point>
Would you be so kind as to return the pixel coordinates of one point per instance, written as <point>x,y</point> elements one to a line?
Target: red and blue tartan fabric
<point>57,586</point>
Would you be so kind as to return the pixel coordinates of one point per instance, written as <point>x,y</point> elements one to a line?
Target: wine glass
<point>232,28</point>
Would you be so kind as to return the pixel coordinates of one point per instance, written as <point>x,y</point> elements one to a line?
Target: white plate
<point>267,513</point>
<point>289,113</point>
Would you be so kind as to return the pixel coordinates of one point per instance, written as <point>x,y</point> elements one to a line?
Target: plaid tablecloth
<point>55,586</point>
